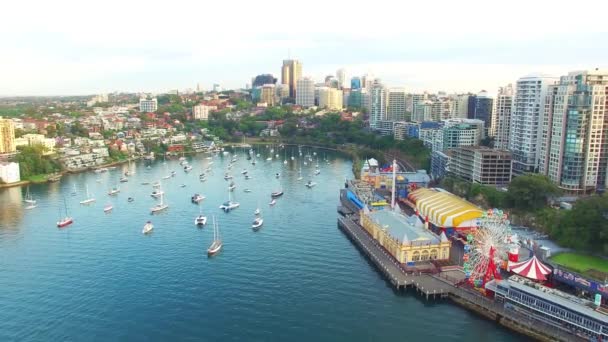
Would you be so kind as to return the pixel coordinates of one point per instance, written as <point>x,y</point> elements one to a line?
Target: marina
<point>286,261</point>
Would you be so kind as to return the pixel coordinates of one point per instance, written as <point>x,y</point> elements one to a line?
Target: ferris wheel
<point>487,247</point>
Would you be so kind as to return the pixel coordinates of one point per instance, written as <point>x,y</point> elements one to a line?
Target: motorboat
<point>196,198</point>
<point>147,227</point>
<point>187,168</point>
<point>277,175</point>
<point>247,177</point>
<point>317,171</point>
<point>227,176</point>
<point>257,223</point>
<point>256,212</point>
<point>310,184</point>
<point>167,177</point>
<point>244,172</point>
<point>247,190</point>
<point>229,205</point>
<point>145,183</point>
<point>124,179</point>
<point>200,220</point>
<point>108,208</point>
<point>182,186</point>
<point>173,173</point>
<point>232,186</point>
<point>273,202</point>
<point>114,191</point>
<point>275,194</point>
<point>30,207</point>
<point>131,199</point>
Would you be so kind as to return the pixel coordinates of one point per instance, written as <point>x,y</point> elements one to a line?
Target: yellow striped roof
<point>445,209</point>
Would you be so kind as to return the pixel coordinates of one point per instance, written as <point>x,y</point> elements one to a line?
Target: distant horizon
<point>464,47</point>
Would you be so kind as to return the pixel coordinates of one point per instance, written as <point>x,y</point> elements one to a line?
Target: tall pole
<point>394,181</point>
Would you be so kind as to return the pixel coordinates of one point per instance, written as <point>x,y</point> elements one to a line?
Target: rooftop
<point>406,229</point>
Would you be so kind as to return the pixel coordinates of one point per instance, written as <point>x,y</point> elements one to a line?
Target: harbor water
<point>298,278</point>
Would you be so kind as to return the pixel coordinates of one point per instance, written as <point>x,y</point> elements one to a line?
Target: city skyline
<point>156,52</point>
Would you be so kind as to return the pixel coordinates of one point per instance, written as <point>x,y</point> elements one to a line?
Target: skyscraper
<point>527,110</point>
<point>377,104</point>
<point>502,117</point>
<point>290,74</point>
<point>574,132</point>
<point>330,98</point>
<point>396,104</point>
<point>461,106</point>
<point>7,136</point>
<point>341,76</point>
<point>355,83</point>
<point>305,96</point>
<point>480,108</point>
<point>262,79</point>
<point>268,94</point>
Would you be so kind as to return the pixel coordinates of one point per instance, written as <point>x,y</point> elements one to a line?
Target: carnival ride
<point>487,246</point>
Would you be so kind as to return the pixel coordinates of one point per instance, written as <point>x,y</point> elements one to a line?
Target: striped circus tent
<point>444,209</point>
<point>531,268</point>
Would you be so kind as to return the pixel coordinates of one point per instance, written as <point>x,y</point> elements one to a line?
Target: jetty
<point>442,284</point>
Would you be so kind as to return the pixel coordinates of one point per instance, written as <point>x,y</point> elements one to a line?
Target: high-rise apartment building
<point>396,104</point>
<point>148,106</point>
<point>268,94</point>
<point>461,106</point>
<point>481,165</point>
<point>423,111</point>
<point>342,80</point>
<point>291,72</point>
<point>330,98</point>
<point>377,104</point>
<point>574,132</point>
<point>7,136</point>
<point>305,96</point>
<point>502,117</point>
<point>528,108</point>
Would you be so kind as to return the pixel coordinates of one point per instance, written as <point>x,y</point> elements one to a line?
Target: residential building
<point>201,111</point>
<point>440,162</point>
<point>9,172</point>
<point>462,132</point>
<point>282,91</point>
<point>461,106</point>
<point>377,110</point>
<point>39,139</point>
<point>480,108</point>
<point>385,127</point>
<point>574,132</point>
<point>396,104</point>
<point>290,73</point>
<point>268,95</point>
<point>147,106</point>
<point>306,92</point>
<point>330,98</point>
<point>528,109</point>
<point>502,117</point>
<point>405,237</point>
<point>355,83</point>
<point>403,130</point>
<point>7,136</point>
<point>415,100</point>
<point>423,111</point>
<point>480,164</point>
<point>342,78</point>
<point>355,98</point>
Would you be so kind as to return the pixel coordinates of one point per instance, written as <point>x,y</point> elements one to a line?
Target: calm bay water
<point>298,278</point>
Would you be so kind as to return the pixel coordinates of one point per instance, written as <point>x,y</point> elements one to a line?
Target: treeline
<point>584,228</point>
<point>32,162</point>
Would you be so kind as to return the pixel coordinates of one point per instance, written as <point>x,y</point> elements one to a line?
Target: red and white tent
<point>531,268</point>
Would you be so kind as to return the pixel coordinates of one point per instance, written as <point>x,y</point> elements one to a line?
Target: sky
<point>65,47</point>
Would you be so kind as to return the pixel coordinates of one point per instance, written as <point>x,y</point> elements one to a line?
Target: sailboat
<point>216,245</point>
<point>160,206</point>
<point>229,205</point>
<point>257,223</point>
<point>67,220</point>
<point>257,210</point>
<point>114,191</point>
<point>88,199</point>
<point>147,227</point>
<point>200,220</point>
<point>28,197</point>
<point>300,174</point>
<point>284,157</point>
<point>74,190</point>
<point>108,208</point>
<point>232,186</point>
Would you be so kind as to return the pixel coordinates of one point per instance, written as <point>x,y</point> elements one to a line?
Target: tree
<point>531,191</point>
<point>585,227</point>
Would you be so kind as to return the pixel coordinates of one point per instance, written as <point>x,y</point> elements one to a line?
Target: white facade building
<point>528,108</point>
<point>502,117</point>
<point>147,106</point>
<point>201,112</point>
<point>305,96</point>
<point>9,172</point>
<point>342,79</point>
<point>377,104</point>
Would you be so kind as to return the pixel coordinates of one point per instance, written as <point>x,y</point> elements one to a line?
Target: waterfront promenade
<point>443,285</point>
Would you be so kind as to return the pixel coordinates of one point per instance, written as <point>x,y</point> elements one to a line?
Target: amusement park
<point>476,255</point>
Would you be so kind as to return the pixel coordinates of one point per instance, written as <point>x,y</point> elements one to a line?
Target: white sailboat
<point>147,228</point>
<point>229,205</point>
<point>257,223</point>
<point>74,190</point>
<point>87,199</point>
<point>160,206</point>
<point>300,174</point>
<point>200,220</point>
<point>28,197</point>
<point>216,245</point>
